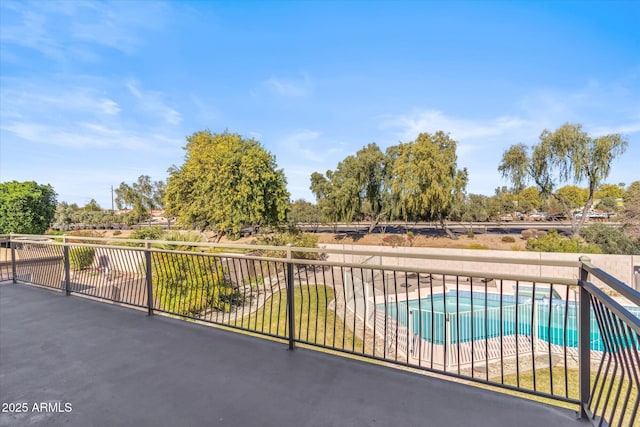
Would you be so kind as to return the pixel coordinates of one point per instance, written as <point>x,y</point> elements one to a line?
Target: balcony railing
<point>567,340</point>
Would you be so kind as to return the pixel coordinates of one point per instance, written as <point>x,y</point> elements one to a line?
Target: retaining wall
<point>619,266</point>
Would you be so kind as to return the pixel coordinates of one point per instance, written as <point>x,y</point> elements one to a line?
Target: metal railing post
<point>290,302</point>
<point>67,266</point>
<point>584,341</point>
<point>14,274</point>
<point>148,276</point>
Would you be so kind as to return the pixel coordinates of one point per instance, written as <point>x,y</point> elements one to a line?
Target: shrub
<point>508,239</point>
<point>554,242</point>
<point>411,238</point>
<point>611,240</point>
<point>176,236</point>
<point>117,233</point>
<point>81,258</point>
<point>478,246</point>
<point>189,286</point>
<point>393,240</point>
<point>470,234</point>
<point>152,233</point>
<point>295,238</point>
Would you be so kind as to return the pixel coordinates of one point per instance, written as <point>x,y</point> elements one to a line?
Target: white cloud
<point>65,115</point>
<point>409,125</point>
<point>600,108</point>
<point>30,99</point>
<point>625,129</point>
<point>289,87</point>
<point>31,32</point>
<point>151,102</point>
<point>299,143</point>
<point>61,31</point>
<point>75,135</point>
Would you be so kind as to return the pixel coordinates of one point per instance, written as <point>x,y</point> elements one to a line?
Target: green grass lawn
<point>315,323</point>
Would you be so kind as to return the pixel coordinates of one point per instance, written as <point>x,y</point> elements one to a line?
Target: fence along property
<point>516,332</point>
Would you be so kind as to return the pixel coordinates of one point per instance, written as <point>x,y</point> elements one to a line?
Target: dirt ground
<point>479,241</point>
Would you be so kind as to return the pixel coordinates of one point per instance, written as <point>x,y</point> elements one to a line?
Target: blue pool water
<point>464,317</point>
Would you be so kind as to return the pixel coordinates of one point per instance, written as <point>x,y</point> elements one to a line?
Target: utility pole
<point>112,210</point>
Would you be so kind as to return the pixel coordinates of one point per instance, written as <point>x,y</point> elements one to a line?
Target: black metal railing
<point>564,339</point>
<point>609,395</point>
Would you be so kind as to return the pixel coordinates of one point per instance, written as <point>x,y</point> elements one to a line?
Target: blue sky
<point>96,93</point>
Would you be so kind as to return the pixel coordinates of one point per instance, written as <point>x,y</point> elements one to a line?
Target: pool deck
<point>116,366</point>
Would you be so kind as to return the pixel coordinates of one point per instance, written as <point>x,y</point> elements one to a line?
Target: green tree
<point>610,190</point>
<point>608,204</point>
<point>92,206</point>
<point>528,199</point>
<point>424,178</point>
<point>63,218</point>
<point>610,197</point>
<point>357,189</point>
<point>494,207</point>
<point>504,201</point>
<point>326,197</point>
<point>142,196</point>
<point>226,183</point>
<point>304,212</point>
<point>573,196</point>
<point>631,212</point>
<point>26,207</point>
<point>473,208</point>
<point>564,155</point>
<point>338,192</point>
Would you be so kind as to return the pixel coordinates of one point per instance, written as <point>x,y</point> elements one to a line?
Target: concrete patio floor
<point>114,366</point>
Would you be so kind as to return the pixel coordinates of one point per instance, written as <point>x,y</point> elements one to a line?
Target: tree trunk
<point>375,220</point>
<point>446,229</point>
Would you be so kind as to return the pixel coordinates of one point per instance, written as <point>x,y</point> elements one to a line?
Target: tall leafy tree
<point>142,196</point>
<point>64,215</point>
<point>226,183</point>
<point>26,207</point>
<point>357,189</point>
<point>323,190</point>
<point>567,154</point>
<point>504,201</point>
<point>302,211</point>
<point>610,197</point>
<point>473,208</point>
<point>573,196</point>
<point>528,199</point>
<point>372,174</point>
<point>613,191</point>
<point>425,180</point>
<point>92,206</point>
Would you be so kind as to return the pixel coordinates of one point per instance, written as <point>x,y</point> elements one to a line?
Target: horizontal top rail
<point>86,245</point>
<point>30,238</point>
<point>615,284</point>
<point>420,270</point>
<point>439,271</point>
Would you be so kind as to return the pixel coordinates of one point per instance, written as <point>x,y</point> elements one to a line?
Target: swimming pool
<point>458,317</point>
